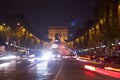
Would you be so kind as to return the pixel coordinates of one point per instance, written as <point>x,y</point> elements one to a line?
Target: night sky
<point>44,13</point>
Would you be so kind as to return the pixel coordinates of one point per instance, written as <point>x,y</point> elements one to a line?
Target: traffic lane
<point>12,65</point>
<point>100,68</point>
<point>7,67</point>
<point>45,70</point>
<point>74,70</point>
<point>10,69</point>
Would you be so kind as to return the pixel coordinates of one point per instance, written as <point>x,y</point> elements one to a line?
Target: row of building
<point>104,32</point>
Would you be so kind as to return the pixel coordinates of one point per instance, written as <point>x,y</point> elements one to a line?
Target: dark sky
<point>44,13</point>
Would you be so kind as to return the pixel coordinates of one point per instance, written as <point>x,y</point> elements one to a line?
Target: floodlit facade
<point>61,30</point>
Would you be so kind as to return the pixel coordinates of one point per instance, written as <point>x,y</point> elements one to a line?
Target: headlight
<point>58,55</point>
<point>47,55</point>
<point>32,55</point>
<point>53,56</point>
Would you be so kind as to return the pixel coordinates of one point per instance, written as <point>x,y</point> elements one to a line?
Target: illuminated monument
<point>58,33</point>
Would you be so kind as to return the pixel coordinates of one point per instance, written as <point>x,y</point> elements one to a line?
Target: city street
<point>66,69</point>
<point>42,70</point>
<point>74,70</point>
<point>60,40</point>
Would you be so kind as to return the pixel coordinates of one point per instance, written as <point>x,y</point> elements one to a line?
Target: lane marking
<point>58,73</point>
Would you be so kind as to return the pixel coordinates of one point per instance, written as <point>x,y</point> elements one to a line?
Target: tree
<point>108,15</point>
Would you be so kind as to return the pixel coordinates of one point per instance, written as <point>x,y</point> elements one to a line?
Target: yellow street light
<point>30,35</point>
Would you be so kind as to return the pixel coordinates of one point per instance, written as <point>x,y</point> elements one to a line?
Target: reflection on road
<point>7,67</point>
<point>40,69</point>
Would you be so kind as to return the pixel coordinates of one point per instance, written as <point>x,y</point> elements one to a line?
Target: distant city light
<point>18,23</point>
<point>6,43</point>
<point>103,46</point>
<point>112,44</point>
<point>4,24</point>
<point>119,43</point>
<point>11,44</point>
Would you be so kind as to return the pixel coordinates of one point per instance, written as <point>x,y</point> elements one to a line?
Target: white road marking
<point>58,73</point>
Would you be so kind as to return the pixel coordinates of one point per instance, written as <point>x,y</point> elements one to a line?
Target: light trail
<point>103,71</point>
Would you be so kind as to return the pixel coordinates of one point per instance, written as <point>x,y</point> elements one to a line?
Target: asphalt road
<point>74,70</point>
<point>68,69</point>
<point>42,70</point>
